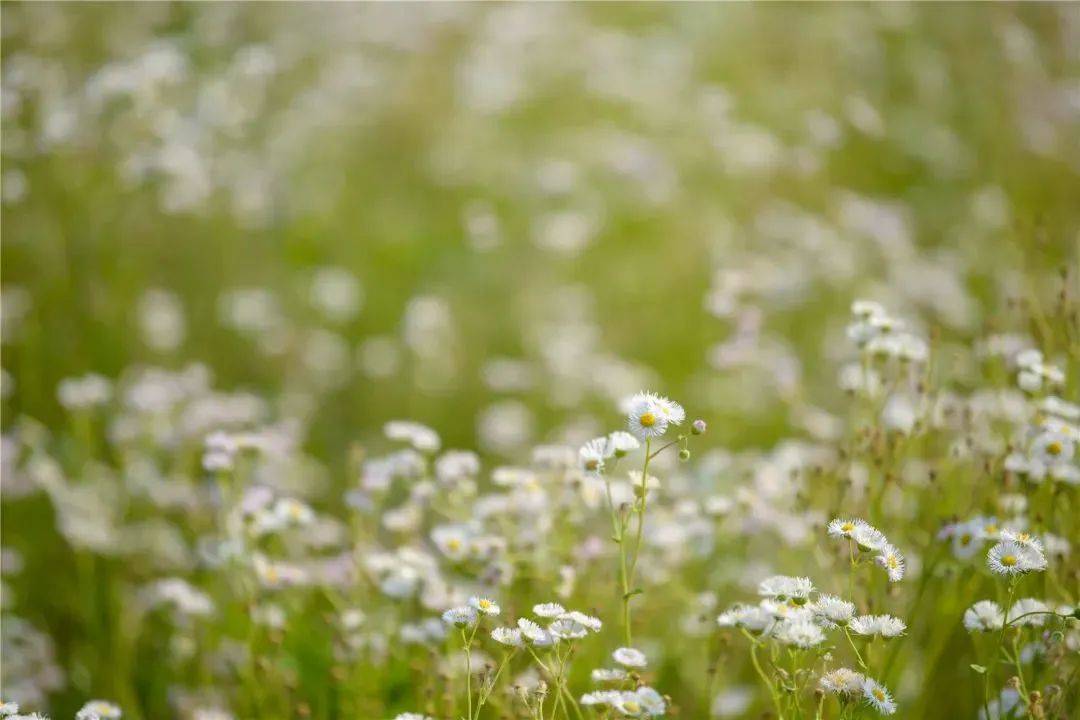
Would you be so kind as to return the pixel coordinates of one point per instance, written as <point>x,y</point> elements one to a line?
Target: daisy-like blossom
<point>887,626</point>
<point>750,617</point>
<point>421,437</point>
<point>646,417</point>
<point>643,702</point>
<point>565,628</point>
<point>893,562</point>
<point>460,617</point>
<point>587,621</point>
<point>99,710</point>
<point>1021,537</point>
<point>1026,607</point>
<point>507,636</point>
<point>8,709</point>
<point>1052,447</point>
<point>868,537</point>
<point>484,605</point>
<point>608,675</point>
<point>841,681</point>
<point>619,443</point>
<point>592,455</point>
<point>877,697</point>
<point>601,698</point>
<point>1009,557</point>
<point>841,528</point>
<point>533,634</point>
<point>629,657</point>
<point>412,716</point>
<point>832,611</point>
<point>784,587</point>
<point>801,633</point>
<point>984,616</point>
<point>548,610</point>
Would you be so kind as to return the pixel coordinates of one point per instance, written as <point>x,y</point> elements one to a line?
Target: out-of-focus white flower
<point>629,657</point>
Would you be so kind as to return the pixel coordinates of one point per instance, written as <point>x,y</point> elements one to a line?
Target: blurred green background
<point>562,178</point>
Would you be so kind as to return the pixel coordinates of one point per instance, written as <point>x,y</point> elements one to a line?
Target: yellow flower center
<point>991,529</point>
<point>965,539</point>
<point>647,419</point>
<point>591,464</point>
<point>879,694</point>
<point>1054,448</point>
<point>485,604</point>
<point>847,527</point>
<point>632,706</point>
<point>1008,560</point>
<point>453,544</point>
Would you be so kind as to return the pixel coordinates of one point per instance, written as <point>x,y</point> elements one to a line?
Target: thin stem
<point>761,673</point>
<point>858,656</point>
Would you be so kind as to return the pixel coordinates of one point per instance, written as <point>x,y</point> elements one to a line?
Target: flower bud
<point>684,455</point>
<point>698,427</point>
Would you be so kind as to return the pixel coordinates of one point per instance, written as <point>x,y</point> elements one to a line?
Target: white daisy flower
<point>1026,606</point>
<point>587,621</point>
<point>751,617</point>
<point>566,629</point>
<point>99,709</point>
<point>877,697</point>
<point>601,698</point>
<point>801,632</point>
<point>831,610</point>
<point>646,417</point>
<point>592,455</point>
<point>984,616</point>
<point>1053,447</point>
<point>868,537</point>
<point>1009,557</point>
<point>548,610</point>
<point>893,562</point>
<point>484,605</point>
<point>841,681</point>
<point>886,626</point>
<point>620,443</point>
<point>421,437</point>
<point>412,716</point>
<point>783,587</point>
<point>461,617</point>
<point>842,528</point>
<point>600,675</point>
<point>507,636</point>
<point>629,657</point>
<point>8,709</point>
<point>534,634</point>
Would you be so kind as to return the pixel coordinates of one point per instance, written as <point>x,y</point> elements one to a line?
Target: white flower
<point>548,610</point>
<point>843,528</point>
<point>886,626</point>
<point>1052,447</point>
<point>893,562</point>
<point>783,587</point>
<point>453,541</point>
<point>608,675</point>
<point>646,417</point>
<point>566,629</point>
<point>842,681</point>
<point>593,454</point>
<point>751,617</point>
<point>587,621</point>
<point>831,610</point>
<point>878,697</point>
<point>507,636</point>
<point>868,537</point>
<point>1009,557</point>
<point>1027,606</point>
<point>643,702</point>
<point>601,697</point>
<point>460,617</point>
<point>534,634</point>
<point>421,437</point>
<point>412,716</point>
<point>620,443</point>
<point>799,632</point>
<point>488,607</point>
<point>629,657</point>
<point>984,616</point>
<point>99,709</point>
<point>8,708</point>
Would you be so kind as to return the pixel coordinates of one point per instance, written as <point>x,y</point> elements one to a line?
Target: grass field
<point>311,311</point>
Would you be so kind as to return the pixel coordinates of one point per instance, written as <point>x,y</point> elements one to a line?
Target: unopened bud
<point>684,455</point>
<point>698,427</point>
